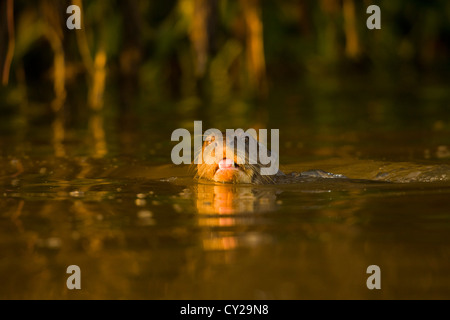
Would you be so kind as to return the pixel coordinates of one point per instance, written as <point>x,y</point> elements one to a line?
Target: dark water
<point>99,192</point>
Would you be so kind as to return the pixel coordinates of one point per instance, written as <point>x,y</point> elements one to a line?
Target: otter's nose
<point>226,163</point>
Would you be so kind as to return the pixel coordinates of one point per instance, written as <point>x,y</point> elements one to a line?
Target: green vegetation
<point>216,49</point>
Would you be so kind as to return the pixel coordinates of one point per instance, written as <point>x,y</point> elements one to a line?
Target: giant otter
<point>239,169</point>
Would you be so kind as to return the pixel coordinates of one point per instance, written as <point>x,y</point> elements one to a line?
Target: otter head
<point>234,161</point>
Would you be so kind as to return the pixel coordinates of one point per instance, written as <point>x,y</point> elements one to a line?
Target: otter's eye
<point>209,140</point>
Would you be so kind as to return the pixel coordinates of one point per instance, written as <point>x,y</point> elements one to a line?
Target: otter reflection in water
<point>233,199</point>
<point>228,208</point>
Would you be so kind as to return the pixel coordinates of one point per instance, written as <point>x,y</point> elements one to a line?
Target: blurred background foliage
<point>196,58</point>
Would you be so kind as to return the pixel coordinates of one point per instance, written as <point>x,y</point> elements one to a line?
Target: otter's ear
<point>253,134</point>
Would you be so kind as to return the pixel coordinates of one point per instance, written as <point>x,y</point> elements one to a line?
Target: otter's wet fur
<point>241,173</point>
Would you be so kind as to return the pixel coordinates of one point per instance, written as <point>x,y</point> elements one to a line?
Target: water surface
<point>103,195</point>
